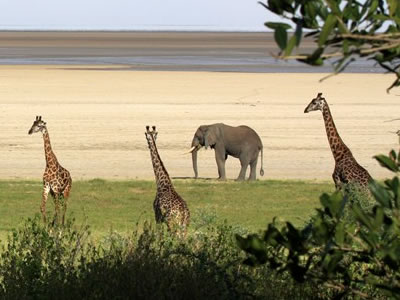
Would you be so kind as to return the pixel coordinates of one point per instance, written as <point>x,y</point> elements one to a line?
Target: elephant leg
<point>244,164</point>
<point>220,159</point>
<point>253,170</point>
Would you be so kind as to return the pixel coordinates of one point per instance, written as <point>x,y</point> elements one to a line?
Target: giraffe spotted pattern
<point>169,206</point>
<point>56,180</point>
<point>347,169</point>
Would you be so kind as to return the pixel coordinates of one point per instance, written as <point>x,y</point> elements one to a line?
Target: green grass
<point>120,205</point>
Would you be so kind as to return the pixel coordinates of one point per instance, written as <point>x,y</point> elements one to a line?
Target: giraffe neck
<point>51,159</point>
<point>339,149</point>
<point>162,178</point>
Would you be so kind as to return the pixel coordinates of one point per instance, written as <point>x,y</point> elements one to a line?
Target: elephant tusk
<point>191,150</point>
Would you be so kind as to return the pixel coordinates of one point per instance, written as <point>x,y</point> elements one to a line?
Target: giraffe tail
<point>262,170</point>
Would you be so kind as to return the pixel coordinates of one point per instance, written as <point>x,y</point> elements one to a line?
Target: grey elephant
<point>241,142</point>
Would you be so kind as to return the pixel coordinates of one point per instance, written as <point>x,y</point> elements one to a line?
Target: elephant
<point>241,142</point>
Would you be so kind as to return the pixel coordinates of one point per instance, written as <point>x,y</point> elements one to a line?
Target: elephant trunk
<point>195,147</point>
<point>194,160</point>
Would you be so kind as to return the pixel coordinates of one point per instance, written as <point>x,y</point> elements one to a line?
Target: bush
<point>350,247</point>
<point>45,262</point>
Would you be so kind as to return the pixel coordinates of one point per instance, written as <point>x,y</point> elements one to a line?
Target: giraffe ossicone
<point>56,180</point>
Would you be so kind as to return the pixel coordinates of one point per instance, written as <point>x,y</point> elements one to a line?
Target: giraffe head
<point>151,134</point>
<point>317,103</point>
<point>38,125</point>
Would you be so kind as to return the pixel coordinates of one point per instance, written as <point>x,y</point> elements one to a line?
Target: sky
<point>213,15</point>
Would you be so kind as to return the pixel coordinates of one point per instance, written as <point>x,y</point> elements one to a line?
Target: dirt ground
<point>96,118</point>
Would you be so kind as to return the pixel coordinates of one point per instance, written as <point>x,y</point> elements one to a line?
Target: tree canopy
<point>343,31</point>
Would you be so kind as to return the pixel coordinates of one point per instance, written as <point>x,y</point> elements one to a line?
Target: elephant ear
<point>210,137</point>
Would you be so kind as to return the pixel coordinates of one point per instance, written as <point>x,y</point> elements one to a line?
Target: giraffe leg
<point>45,194</point>
<point>185,224</point>
<point>64,210</point>
<point>65,194</point>
<point>336,179</point>
<point>56,219</point>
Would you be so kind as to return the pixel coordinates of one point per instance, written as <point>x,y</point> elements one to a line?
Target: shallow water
<point>169,51</point>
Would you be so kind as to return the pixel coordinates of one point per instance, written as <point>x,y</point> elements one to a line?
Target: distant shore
<point>138,30</point>
<point>248,52</point>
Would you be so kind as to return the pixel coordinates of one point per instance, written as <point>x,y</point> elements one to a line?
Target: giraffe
<point>168,206</point>
<point>347,170</point>
<point>56,179</point>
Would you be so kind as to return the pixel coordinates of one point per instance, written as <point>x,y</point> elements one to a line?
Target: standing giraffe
<point>56,179</point>
<point>168,206</point>
<point>347,170</point>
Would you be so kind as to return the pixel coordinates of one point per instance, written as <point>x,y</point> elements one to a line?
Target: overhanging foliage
<point>342,30</point>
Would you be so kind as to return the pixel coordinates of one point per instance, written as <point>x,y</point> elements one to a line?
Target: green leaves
<point>373,7</point>
<point>393,5</point>
<point>388,163</point>
<point>330,23</point>
<point>280,34</point>
<point>281,37</point>
<point>255,246</point>
<point>315,58</point>
<point>344,29</point>
<point>354,247</point>
<point>333,204</point>
<point>276,25</point>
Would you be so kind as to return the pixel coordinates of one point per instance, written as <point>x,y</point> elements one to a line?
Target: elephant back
<point>251,132</point>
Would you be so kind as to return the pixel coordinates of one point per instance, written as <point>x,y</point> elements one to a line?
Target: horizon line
<point>135,30</point>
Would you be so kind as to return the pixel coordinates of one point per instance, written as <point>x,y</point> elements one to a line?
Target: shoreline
<point>138,30</point>
<point>160,50</point>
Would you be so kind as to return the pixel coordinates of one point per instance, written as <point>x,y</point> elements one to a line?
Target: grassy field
<point>120,205</point>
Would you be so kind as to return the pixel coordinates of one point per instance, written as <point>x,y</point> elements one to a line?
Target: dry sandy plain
<point>96,118</point>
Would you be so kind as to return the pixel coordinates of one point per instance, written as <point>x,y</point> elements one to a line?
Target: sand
<point>96,117</point>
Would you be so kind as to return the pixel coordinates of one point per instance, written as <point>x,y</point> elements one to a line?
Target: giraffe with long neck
<point>169,206</point>
<point>347,169</point>
<point>56,180</point>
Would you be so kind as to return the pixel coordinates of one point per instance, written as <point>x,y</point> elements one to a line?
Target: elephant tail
<point>262,170</point>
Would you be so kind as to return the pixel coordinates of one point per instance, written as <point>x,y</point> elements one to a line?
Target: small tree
<point>343,30</point>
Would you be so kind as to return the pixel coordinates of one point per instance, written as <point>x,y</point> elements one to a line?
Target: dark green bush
<point>45,262</point>
<point>351,248</point>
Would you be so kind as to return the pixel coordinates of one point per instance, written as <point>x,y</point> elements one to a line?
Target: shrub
<point>46,262</point>
<point>352,249</point>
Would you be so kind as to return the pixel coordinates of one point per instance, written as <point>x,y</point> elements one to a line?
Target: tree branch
<point>384,47</point>
<point>368,37</point>
<point>329,55</point>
